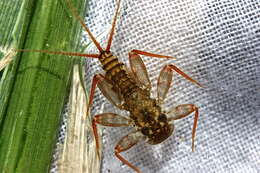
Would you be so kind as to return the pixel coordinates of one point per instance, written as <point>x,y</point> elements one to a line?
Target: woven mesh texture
<point>217,42</point>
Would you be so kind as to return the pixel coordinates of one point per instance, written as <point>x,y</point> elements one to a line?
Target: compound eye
<point>162,117</point>
<point>145,131</point>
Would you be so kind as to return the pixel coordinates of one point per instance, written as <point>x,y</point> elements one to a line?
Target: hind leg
<point>182,111</point>
<point>108,119</point>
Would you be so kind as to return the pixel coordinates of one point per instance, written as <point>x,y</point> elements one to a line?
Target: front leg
<point>140,52</point>
<point>107,89</point>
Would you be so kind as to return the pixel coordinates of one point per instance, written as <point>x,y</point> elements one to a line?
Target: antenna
<point>76,14</point>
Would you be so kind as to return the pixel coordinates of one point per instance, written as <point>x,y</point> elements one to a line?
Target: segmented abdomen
<point>116,72</point>
<point>137,100</point>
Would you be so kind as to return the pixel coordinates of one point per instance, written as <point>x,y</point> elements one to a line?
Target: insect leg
<point>108,119</point>
<point>139,70</point>
<point>173,67</point>
<point>110,92</point>
<point>95,81</point>
<point>126,143</point>
<point>182,111</point>
<point>165,80</point>
<point>140,52</point>
<point>107,89</point>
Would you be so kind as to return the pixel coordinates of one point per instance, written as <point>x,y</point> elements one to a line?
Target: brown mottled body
<point>116,73</point>
<point>130,90</point>
<point>144,110</point>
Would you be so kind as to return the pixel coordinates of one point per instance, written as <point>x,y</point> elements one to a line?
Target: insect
<point>130,90</point>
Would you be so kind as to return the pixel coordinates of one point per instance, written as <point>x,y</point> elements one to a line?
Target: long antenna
<point>60,53</point>
<point>76,14</point>
<point>113,27</point>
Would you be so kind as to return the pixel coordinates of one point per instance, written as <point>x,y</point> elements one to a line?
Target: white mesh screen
<point>217,42</point>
